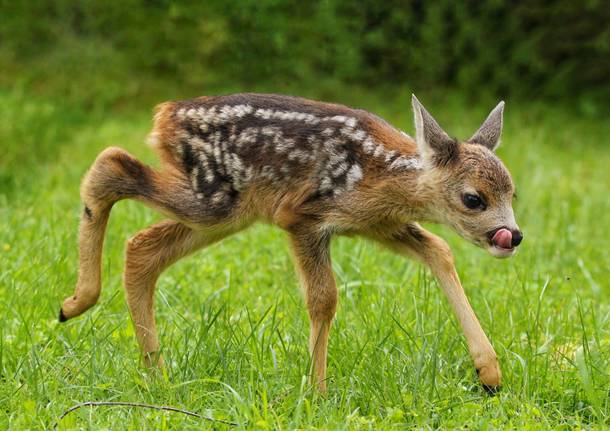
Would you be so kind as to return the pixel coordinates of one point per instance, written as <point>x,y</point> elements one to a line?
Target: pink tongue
<point>503,238</point>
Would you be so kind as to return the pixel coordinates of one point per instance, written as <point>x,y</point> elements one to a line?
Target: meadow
<point>231,318</point>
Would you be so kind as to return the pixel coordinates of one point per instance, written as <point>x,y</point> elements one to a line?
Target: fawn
<point>315,170</point>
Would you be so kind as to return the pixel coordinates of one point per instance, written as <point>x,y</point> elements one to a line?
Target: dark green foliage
<point>534,49</point>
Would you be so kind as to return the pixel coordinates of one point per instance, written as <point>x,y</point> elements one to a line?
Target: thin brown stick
<point>140,405</point>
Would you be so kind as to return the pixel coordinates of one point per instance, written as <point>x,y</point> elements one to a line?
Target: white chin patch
<point>500,252</point>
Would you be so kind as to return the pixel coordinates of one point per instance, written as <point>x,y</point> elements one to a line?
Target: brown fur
<point>385,206</point>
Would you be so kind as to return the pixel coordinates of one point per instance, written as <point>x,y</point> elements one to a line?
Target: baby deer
<point>315,170</point>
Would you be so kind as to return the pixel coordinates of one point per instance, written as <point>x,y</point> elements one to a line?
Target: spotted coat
<point>227,144</point>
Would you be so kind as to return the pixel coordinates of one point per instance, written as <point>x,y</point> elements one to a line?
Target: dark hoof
<point>62,316</point>
<point>492,390</point>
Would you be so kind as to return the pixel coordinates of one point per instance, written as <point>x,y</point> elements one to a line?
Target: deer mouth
<point>501,242</point>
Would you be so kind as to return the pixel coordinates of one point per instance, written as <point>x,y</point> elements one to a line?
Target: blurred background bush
<point>103,53</point>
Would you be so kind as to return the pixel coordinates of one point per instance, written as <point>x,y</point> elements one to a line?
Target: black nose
<point>517,238</point>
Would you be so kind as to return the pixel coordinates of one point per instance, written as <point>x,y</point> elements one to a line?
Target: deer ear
<point>490,131</point>
<point>432,141</point>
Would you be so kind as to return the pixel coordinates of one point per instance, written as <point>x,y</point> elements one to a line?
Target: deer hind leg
<point>147,255</point>
<point>116,175</point>
<point>311,251</point>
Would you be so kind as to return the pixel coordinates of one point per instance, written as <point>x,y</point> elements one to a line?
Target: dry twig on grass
<point>139,405</point>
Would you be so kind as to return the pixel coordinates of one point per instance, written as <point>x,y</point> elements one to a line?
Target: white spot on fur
<point>237,164</point>
<point>269,131</point>
<point>283,145</point>
<point>201,145</point>
<point>389,155</point>
<point>268,173</point>
<point>337,118</point>
<point>379,151</point>
<point>405,162</point>
<point>369,146</point>
<point>218,197</point>
<point>359,135</point>
<point>242,110</point>
<point>353,176</point>
<point>339,169</point>
<point>247,136</point>
<point>301,116</point>
<point>209,176</point>
<point>299,155</point>
<point>325,184</point>
<point>194,178</point>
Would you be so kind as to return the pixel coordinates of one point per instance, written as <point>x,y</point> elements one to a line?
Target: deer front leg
<point>312,260</point>
<point>436,254</point>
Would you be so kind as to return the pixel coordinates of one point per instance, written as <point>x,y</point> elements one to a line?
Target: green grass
<point>231,318</point>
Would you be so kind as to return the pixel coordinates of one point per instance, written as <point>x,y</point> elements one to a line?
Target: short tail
<point>115,175</point>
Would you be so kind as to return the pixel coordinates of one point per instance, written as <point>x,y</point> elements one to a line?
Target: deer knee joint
<point>138,258</point>
<point>323,304</point>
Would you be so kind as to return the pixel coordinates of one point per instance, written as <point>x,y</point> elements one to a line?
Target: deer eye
<point>473,202</point>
